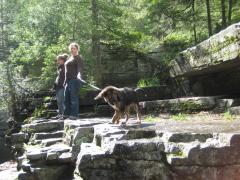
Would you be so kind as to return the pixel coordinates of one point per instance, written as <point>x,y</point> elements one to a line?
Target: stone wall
<point>125,67</point>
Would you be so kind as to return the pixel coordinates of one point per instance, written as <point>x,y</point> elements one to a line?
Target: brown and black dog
<point>121,100</point>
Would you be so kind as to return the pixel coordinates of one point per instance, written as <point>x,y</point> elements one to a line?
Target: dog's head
<point>110,94</point>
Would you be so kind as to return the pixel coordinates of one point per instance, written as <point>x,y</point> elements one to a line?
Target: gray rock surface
<point>219,48</point>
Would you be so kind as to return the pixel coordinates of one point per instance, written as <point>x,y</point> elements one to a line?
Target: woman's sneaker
<point>56,117</point>
<point>63,117</point>
<point>73,117</point>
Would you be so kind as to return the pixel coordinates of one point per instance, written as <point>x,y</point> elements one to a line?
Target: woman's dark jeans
<point>71,99</point>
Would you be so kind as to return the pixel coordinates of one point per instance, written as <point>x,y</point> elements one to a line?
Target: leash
<point>94,87</point>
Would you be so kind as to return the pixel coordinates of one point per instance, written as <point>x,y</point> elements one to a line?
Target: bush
<point>148,82</point>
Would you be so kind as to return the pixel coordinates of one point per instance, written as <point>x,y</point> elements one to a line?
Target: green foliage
<point>29,120</point>
<point>148,82</point>
<point>48,98</point>
<point>151,118</point>
<point>187,106</point>
<point>228,116</point>
<point>179,154</point>
<point>179,117</point>
<point>38,112</point>
<point>49,70</point>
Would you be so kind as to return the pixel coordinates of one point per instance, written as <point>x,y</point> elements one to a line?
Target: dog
<point>121,100</point>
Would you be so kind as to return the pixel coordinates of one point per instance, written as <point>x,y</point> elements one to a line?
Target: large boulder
<point>211,67</point>
<point>219,49</point>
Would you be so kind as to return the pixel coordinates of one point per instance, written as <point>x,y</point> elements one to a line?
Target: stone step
<point>19,138</point>
<point>234,110</point>
<point>66,158</point>
<point>221,150</point>
<point>34,153</point>
<point>227,103</point>
<point>185,137</point>
<point>44,126</point>
<point>106,135</point>
<point>48,142</point>
<point>141,157</point>
<point>104,110</point>
<point>80,131</point>
<point>41,136</point>
<point>50,113</point>
<point>46,172</point>
<point>190,104</point>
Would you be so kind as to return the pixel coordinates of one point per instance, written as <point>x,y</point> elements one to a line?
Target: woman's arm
<point>80,64</point>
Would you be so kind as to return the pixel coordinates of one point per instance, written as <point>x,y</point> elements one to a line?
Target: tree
<point>194,23</point>
<point>5,46</point>
<point>224,21</point>
<point>229,11</point>
<point>96,49</point>
<point>209,18</point>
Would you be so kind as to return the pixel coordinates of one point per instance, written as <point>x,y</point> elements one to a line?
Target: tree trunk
<point>229,11</point>
<point>96,50</point>
<point>209,18</point>
<point>224,22</point>
<point>194,24</point>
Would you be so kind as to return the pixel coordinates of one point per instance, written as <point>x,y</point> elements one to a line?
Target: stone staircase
<point>97,150</point>
<point>43,152</point>
<point>90,148</point>
<point>148,153</point>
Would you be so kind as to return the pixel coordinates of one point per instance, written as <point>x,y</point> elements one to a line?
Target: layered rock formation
<point>90,148</point>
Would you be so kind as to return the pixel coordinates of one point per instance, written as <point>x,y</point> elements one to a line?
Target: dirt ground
<point>203,122</point>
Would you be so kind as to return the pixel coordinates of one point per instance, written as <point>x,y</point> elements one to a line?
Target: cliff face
<point>211,67</point>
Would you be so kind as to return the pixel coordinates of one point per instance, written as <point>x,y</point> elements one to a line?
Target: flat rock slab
<point>201,123</point>
<point>84,122</point>
<point>39,136</point>
<point>46,153</point>
<point>43,126</point>
<point>19,137</point>
<point>198,126</point>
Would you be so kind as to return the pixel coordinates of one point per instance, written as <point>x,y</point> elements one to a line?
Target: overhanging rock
<point>222,48</point>
<point>211,67</point>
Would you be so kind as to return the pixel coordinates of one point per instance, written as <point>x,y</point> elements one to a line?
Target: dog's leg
<point>127,113</point>
<point>137,109</point>
<point>116,117</point>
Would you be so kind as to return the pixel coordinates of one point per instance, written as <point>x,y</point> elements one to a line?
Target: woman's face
<point>74,50</point>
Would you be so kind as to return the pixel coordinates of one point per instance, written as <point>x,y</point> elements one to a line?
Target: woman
<point>73,76</point>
